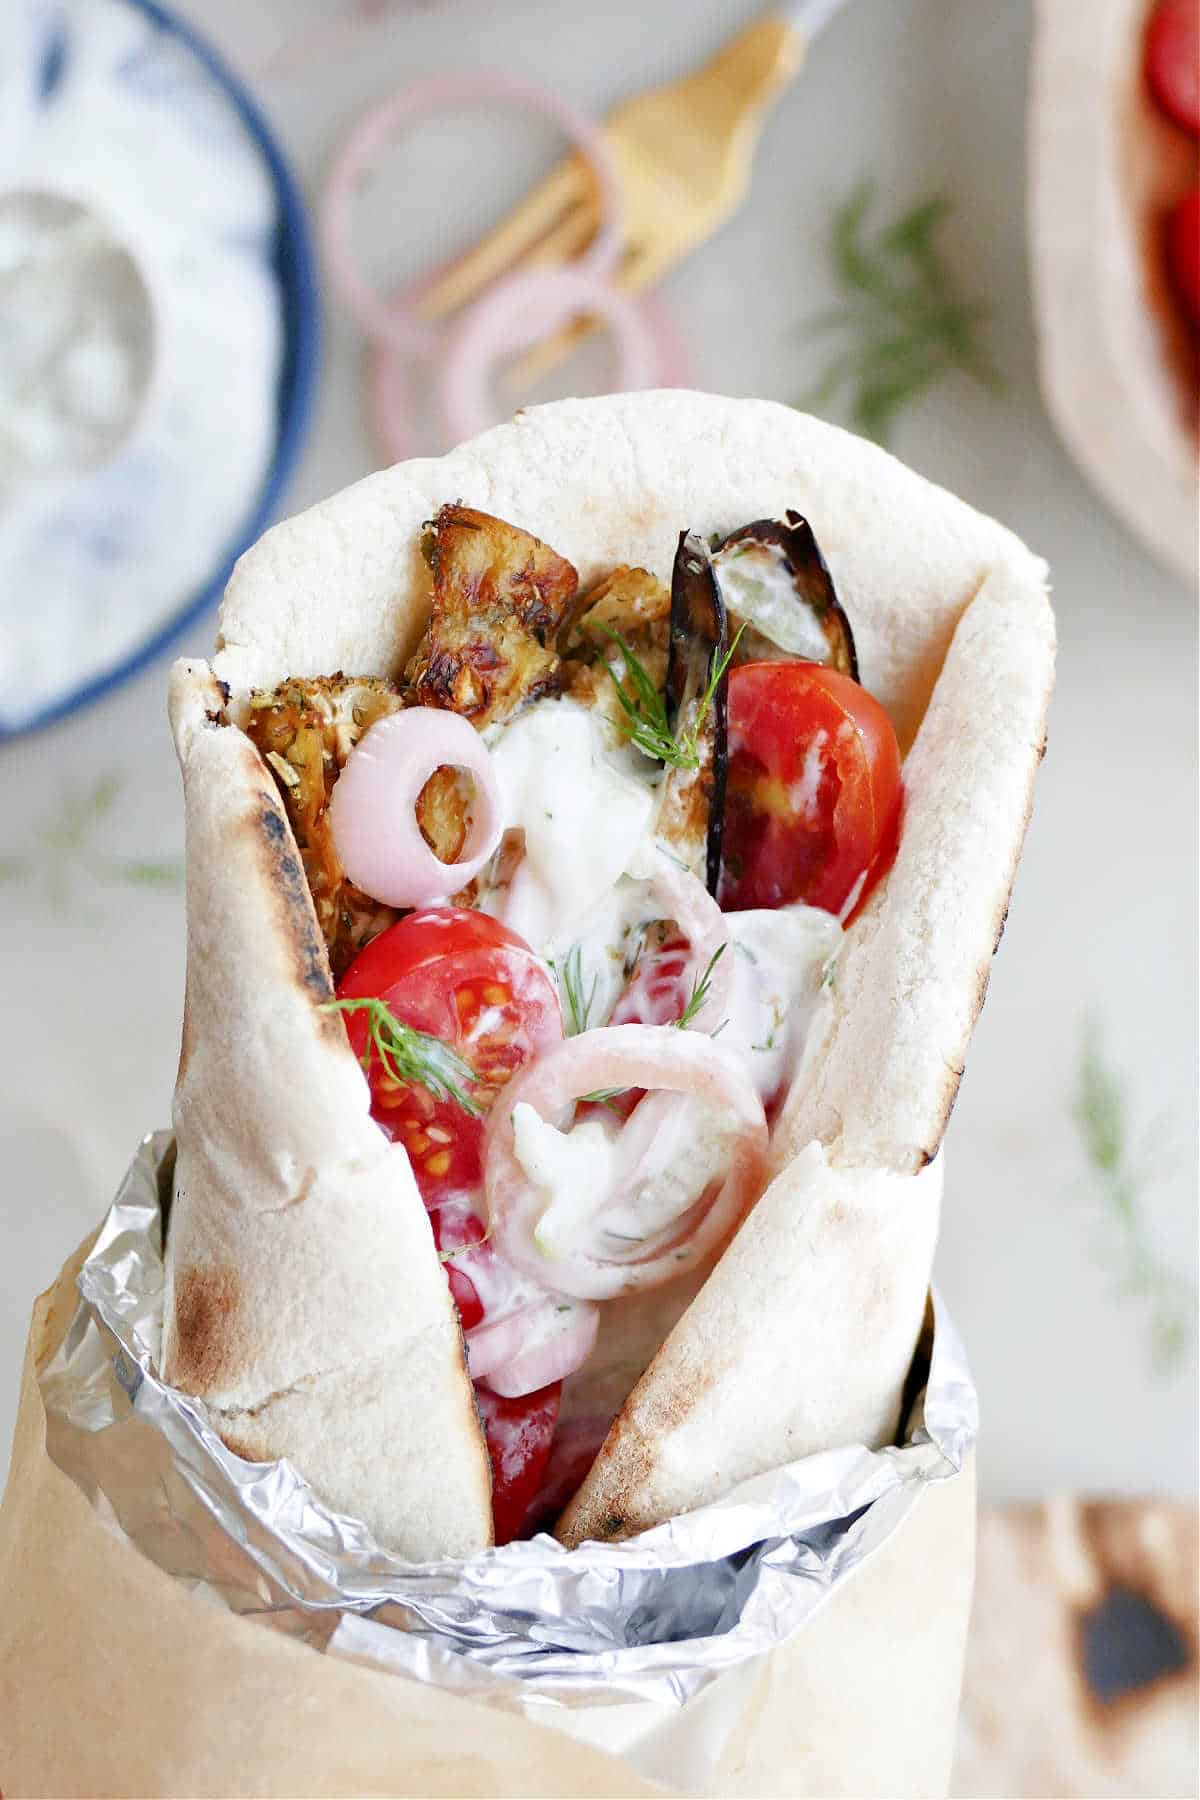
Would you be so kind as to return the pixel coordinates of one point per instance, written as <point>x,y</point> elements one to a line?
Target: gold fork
<point>683,156</point>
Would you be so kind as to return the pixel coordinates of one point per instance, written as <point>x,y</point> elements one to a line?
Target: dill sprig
<point>700,989</point>
<point>603,1097</point>
<point>902,325</point>
<point>1101,1114</point>
<point>410,1055</point>
<point>579,1004</point>
<point>645,708</point>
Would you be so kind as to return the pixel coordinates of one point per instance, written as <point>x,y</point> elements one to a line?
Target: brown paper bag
<point>116,1679</point>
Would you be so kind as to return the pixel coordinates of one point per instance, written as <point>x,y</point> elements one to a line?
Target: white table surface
<point>923,95</point>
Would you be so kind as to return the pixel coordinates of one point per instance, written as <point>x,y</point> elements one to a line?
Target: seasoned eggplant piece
<point>637,606</point>
<point>693,803</point>
<point>499,599</point>
<point>772,575</point>
<point>305,730</point>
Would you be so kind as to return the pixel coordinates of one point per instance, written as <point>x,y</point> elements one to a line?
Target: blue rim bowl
<point>294,263</point>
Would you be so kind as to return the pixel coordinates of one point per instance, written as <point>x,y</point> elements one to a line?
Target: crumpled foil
<point>531,1626</point>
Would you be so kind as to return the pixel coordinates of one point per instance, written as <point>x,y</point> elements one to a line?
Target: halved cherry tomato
<point>519,1434</point>
<point>813,797</point>
<point>1173,60</point>
<point>1183,253</point>
<point>457,1228</point>
<point>467,979</point>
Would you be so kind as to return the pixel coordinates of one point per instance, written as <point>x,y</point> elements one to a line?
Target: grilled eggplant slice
<point>773,576</point>
<point>693,803</point>
<point>305,730</point>
<point>499,599</point>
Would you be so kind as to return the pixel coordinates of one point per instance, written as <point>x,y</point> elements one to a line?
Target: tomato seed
<point>496,996</point>
<point>439,1164</point>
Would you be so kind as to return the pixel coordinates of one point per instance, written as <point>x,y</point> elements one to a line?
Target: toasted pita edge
<point>305,1302</point>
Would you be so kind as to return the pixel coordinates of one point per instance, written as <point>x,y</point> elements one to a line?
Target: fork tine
<point>567,186</point>
<point>639,268</point>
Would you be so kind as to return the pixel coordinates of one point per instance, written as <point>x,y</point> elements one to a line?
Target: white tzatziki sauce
<point>757,586</point>
<point>780,962</point>
<point>77,330</point>
<point>581,813</point>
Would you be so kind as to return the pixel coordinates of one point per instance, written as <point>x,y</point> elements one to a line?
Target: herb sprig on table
<point>66,850</point>
<point>1120,1172</point>
<point>902,326</point>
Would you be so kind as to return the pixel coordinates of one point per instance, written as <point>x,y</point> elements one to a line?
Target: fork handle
<point>738,84</point>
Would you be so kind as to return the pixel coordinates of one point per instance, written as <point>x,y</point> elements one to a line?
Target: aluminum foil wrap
<point>560,1635</point>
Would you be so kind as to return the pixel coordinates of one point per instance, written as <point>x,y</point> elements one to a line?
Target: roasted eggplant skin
<point>793,537</point>
<point>693,804</point>
<point>500,597</point>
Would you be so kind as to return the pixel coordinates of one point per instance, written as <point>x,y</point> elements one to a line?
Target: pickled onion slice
<point>544,1341</point>
<point>373,809</point>
<point>680,1067</point>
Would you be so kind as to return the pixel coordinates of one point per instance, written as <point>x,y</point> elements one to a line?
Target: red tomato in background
<point>813,796</point>
<point>465,978</point>
<point>1183,253</point>
<point>1173,61</point>
<point>519,1434</point>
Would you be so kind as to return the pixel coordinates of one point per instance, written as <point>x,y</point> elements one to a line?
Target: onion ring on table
<point>393,320</point>
<point>657,1057</point>
<point>373,809</point>
<point>389,395</point>
<point>516,313</point>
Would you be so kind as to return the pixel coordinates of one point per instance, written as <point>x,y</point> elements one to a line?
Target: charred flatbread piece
<point>499,598</point>
<point>1081,1674</point>
<point>305,1303</point>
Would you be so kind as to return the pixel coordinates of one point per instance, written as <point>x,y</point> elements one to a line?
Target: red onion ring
<point>537,302</point>
<point>518,311</point>
<point>648,1056</point>
<point>393,320</point>
<point>373,809</point>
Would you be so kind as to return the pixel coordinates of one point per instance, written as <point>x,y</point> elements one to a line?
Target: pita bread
<point>1118,369</point>
<point>305,1303</point>
<point>955,637</point>
<point>1081,1659</point>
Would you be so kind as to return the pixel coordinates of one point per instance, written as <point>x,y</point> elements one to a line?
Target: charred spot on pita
<point>1126,1643</point>
<point>206,1300</point>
